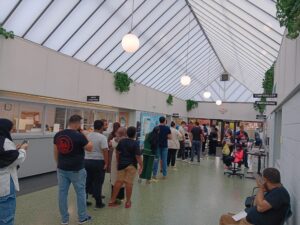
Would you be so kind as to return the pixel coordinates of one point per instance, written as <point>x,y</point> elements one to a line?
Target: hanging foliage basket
<point>170,100</point>
<point>288,14</point>
<point>6,34</point>
<point>190,104</point>
<point>122,82</point>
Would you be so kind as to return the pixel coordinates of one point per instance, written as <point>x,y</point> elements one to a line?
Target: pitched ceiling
<point>240,37</point>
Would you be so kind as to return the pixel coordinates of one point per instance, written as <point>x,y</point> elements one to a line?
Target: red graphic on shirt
<point>64,144</point>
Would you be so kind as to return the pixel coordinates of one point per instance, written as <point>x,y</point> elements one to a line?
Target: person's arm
<point>261,204</point>
<point>55,152</point>
<point>191,136</point>
<point>104,148</point>
<point>22,155</point>
<point>140,162</point>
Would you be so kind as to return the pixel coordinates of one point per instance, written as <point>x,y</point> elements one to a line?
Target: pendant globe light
<point>130,42</point>
<point>219,102</point>
<point>185,79</point>
<point>207,93</point>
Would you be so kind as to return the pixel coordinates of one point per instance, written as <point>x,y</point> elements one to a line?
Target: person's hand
<point>105,167</point>
<point>24,146</point>
<point>18,146</point>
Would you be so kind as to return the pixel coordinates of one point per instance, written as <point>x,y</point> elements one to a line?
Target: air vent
<point>225,77</point>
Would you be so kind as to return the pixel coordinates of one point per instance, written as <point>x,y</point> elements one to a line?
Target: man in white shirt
<point>96,163</point>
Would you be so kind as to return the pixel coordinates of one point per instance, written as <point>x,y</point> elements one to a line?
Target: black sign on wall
<point>266,103</point>
<point>261,117</point>
<point>95,98</point>
<point>273,95</point>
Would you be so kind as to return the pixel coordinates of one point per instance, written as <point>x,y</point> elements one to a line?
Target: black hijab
<point>7,157</point>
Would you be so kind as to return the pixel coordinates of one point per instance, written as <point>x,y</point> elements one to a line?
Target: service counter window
<point>55,119</point>
<point>31,118</point>
<point>9,110</point>
<point>88,120</point>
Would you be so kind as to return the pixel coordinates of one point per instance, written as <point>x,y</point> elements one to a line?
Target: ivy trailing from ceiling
<point>170,100</point>
<point>288,14</point>
<point>122,82</point>
<point>267,85</point>
<point>6,34</point>
<point>190,104</point>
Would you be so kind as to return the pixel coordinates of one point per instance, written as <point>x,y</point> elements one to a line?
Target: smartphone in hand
<point>25,142</point>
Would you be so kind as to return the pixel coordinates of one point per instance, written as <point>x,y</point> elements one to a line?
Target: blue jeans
<point>78,179</point>
<point>8,206</point>
<point>196,147</point>
<point>161,153</point>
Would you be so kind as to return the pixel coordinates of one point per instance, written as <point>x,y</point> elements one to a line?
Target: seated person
<point>271,204</point>
<point>228,144</point>
<point>236,157</point>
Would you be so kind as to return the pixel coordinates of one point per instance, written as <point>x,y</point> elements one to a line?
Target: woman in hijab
<point>10,157</point>
<point>112,135</point>
<point>120,134</point>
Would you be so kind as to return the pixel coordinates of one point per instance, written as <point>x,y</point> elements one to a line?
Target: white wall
<point>28,68</point>
<point>287,78</point>
<point>232,111</point>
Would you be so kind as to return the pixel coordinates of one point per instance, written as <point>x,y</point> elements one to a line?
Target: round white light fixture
<point>185,80</point>
<point>130,43</point>
<point>219,102</point>
<point>206,94</point>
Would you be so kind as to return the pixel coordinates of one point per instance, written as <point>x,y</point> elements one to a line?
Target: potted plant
<point>6,34</point>
<point>122,82</point>
<point>170,100</point>
<point>288,14</point>
<point>191,104</point>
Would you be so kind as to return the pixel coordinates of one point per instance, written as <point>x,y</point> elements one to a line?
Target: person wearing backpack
<point>11,156</point>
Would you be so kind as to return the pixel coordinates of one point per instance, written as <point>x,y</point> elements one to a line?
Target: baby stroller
<point>187,146</point>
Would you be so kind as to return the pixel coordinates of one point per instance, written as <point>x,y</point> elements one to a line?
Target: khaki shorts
<point>127,175</point>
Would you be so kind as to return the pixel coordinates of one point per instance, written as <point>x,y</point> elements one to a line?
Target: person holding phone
<point>11,156</point>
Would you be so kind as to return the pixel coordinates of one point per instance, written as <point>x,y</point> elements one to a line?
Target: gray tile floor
<point>192,195</point>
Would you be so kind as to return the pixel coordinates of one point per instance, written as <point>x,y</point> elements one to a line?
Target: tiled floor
<point>193,195</point>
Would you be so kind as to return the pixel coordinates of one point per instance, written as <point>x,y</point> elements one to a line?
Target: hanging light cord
<point>188,45</point>
<point>131,24</point>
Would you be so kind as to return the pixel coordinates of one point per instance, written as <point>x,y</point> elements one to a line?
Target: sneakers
<point>87,219</point>
<point>64,223</point>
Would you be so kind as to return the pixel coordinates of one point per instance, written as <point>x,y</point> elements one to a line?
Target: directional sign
<point>273,95</point>
<point>95,98</point>
<point>175,115</point>
<point>261,117</point>
<point>266,103</point>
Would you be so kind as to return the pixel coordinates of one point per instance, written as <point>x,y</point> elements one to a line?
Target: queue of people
<point>83,160</point>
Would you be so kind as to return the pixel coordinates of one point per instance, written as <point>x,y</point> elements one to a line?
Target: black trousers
<point>181,152</point>
<point>95,178</point>
<point>204,144</point>
<point>212,147</point>
<point>171,156</point>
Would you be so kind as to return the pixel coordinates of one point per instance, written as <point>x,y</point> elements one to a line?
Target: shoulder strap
<point>2,141</point>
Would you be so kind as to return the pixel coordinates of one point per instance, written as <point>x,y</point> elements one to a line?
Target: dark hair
<point>197,123</point>
<point>116,126</point>
<point>75,119</point>
<point>272,175</point>
<point>162,119</point>
<point>173,124</point>
<point>5,128</point>
<point>131,132</point>
<point>98,124</point>
<point>183,122</point>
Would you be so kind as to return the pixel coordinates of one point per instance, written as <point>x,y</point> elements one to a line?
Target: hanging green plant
<point>6,34</point>
<point>288,14</point>
<point>122,82</point>
<point>170,100</point>
<point>190,104</point>
<point>267,85</point>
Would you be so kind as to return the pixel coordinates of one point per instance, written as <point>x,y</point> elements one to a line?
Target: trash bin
<point>148,160</point>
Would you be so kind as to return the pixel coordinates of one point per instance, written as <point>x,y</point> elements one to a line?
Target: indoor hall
<point>205,94</point>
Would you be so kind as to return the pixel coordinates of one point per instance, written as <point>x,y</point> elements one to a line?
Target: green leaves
<point>267,85</point>
<point>170,100</point>
<point>288,14</point>
<point>122,82</point>
<point>190,104</point>
<point>6,34</point>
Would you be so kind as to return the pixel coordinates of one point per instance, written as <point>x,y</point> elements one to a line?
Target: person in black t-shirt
<point>69,149</point>
<point>128,158</point>
<point>196,137</point>
<point>271,205</point>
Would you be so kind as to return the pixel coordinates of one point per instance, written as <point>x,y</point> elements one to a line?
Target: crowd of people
<point>84,158</point>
